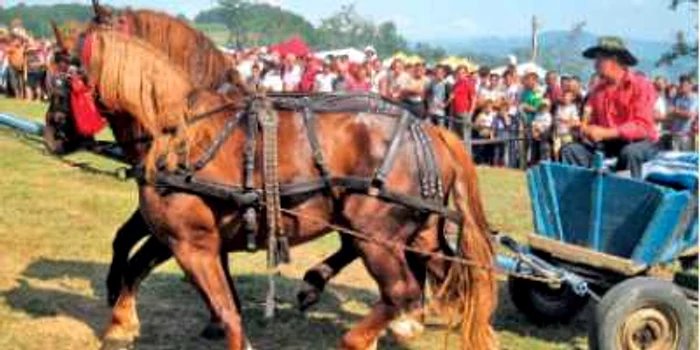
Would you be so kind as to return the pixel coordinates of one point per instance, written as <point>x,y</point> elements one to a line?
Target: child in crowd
<point>500,130</point>
<point>484,120</point>
<point>566,119</point>
<point>541,127</point>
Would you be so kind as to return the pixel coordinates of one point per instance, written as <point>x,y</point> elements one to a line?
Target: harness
<point>260,117</point>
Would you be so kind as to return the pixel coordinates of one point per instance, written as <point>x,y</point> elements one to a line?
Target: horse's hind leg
<point>400,292</point>
<point>126,238</point>
<point>318,276</point>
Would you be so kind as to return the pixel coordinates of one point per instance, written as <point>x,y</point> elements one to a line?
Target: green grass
<point>56,227</point>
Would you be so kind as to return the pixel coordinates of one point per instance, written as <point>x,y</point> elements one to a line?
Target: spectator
<point>541,132</point>
<point>500,130</point>
<point>531,98</point>
<point>482,78</point>
<point>512,90</point>
<point>254,81</point>
<point>567,117</point>
<point>391,86</point>
<point>272,80</point>
<point>683,112</point>
<point>463,100</point>
<point>358,79</point>
<point>291,73</point>
<point>660,106</point>
<point>17,67</point>
<point>491,91</point>
<point>553,90</point>
<point>438,94</point>
<point>413,93</point>
<point>324,80</point>
<point>484,120</point>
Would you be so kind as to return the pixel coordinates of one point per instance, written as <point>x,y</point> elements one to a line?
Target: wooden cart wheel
<point>643,314</point>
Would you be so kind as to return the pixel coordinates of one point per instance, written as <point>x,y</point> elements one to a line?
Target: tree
<point>233,12</point>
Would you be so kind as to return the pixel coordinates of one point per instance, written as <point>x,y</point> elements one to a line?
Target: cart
<point>632,242</point>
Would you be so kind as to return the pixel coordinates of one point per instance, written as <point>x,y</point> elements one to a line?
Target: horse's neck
<point>131,137</point>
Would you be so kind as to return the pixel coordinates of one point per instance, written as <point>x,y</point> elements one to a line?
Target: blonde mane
<point>132,76</point>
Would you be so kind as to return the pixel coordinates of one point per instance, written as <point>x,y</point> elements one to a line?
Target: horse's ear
<point>59,36</point>
<point>102,14</point>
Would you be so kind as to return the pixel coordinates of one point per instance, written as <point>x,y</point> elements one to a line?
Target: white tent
<point>523,68</point>
<point>354,55</point>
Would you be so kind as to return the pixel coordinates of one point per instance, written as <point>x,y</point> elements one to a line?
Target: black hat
<point>611,46</point>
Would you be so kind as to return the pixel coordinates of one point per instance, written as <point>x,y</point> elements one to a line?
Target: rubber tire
<point>631,295</point>
<point>543,305</point>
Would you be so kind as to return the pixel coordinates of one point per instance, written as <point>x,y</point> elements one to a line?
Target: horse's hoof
<point>117,344</point>
<point>406,328</point>
<point>307,298</point>
<point>214,331</point>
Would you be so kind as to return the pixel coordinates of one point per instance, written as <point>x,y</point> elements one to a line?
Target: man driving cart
<point>621,122</point>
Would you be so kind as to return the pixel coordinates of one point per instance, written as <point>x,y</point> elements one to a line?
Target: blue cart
<point>630,245</point>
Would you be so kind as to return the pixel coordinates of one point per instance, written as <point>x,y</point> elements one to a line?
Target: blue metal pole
<point>21,124</point>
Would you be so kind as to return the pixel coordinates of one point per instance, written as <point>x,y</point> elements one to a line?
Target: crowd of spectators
<point>535,115</point>
<point>24,63</point>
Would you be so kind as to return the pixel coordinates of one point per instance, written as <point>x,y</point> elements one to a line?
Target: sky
<point>444,19</point>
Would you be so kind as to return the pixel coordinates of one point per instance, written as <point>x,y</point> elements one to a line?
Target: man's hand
<point>597,133</point>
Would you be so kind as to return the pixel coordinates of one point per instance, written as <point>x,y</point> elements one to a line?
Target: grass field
<point>56,227</point>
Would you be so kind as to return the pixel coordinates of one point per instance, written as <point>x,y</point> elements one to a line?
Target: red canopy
<point>294,45</point>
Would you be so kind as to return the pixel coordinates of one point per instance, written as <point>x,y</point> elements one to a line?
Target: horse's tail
<point>470,290</point>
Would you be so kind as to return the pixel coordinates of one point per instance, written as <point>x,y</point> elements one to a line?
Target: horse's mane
<point>184,45</point>
<point>132,76</point>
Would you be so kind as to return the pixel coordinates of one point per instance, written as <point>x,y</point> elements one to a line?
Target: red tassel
<point>88,120</point>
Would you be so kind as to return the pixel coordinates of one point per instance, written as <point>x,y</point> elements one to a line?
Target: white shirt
<point>292,77</point>
<point>542,121</point>
<point>324,82</point>
<point>273,82</point>
<point>566,113</point>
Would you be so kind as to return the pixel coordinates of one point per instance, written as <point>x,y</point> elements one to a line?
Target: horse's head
<point>61,135</point>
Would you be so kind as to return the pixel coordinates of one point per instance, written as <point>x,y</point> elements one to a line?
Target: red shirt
<point>627,106</point>
<point>553,94</point>
<point>464,92</point>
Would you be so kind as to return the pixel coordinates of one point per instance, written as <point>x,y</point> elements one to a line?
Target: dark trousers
<point>16,82</point>
<point>630,155</point>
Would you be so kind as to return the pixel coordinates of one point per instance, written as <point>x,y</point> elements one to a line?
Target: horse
<point>186,47</point>
<point>197,228</point>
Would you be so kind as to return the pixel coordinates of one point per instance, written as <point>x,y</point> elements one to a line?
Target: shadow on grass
<point>509,319</point>
<point>172,314</point>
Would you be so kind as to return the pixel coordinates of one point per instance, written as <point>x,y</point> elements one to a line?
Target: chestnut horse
<point>133,79</point>
<point>186,47</point>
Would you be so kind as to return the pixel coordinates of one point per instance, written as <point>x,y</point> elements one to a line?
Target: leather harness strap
<point>382,171</point>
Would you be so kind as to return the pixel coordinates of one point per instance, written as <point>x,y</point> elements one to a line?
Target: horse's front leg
<point>200,258</point>
<point>124,327</point>
<point>318,276</point>
<point>125,239</point>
